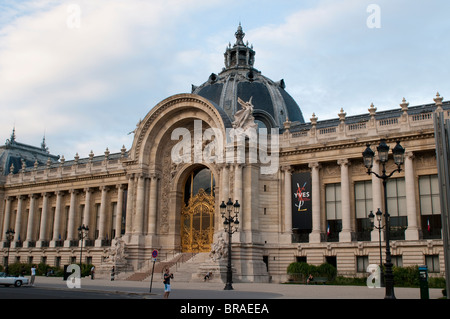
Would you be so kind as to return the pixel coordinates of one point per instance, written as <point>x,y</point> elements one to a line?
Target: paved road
<point>201,290</point>
<point>31,293</point>
<point>106,298</point>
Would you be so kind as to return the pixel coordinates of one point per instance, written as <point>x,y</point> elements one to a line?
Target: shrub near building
<point>403,276</point>
<point>300,271</point>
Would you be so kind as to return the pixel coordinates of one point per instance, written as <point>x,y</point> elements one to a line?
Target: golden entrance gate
<point>197,223</point>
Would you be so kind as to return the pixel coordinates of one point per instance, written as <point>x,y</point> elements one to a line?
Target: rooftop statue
<point>244,118</point>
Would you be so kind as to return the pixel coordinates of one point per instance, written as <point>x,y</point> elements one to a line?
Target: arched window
<point>197,179</point>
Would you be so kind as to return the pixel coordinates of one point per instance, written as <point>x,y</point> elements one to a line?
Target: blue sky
<point>85,72</point>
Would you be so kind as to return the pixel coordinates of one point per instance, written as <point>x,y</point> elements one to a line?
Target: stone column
<point>377,201</point>
<point>130,209</point>
<point>316,234</point>
<point>57,221</point>
<point>138,222</point>
<point>7,219</point>
<point>44,219</point>
<point>118,225</point>
<point>87,210</point>
<point>237,194</point>
<point>250,206</point>
<point>18,225</point>
<point>153,204</point>
<point>346,233</point>
<point>31,223</point>
<point>287,199</point>
<point>72,215</point>
<point>225,185</point>
<point>412,232</point>
<point>103,214</point>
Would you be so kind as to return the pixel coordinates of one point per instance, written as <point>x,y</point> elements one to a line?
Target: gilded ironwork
<point>197,223</point>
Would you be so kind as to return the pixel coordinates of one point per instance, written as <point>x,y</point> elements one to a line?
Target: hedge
<point>403,276</point>
<point>299,271</point>
<point>42,269</point>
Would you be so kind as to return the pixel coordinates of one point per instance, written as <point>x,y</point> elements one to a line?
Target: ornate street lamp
<point>383,156</point>
<point>379,227</point>
<point>9,237</point>
<point>83,232</point>
<point>231,224</point>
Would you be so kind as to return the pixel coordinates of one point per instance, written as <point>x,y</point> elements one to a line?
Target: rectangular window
<point>362,262</point>
<point>397,260</point>
<point>82,215</point>
<point>333,211</point>
<point>97,220</point>
<point>363,205</point>
<point>113,221</point>
<point>432,262</point>
<point>124,211</point>
<point>396,197</point>
<point>396,200</point>
<point>333,201</point>
<point>363,198</point>
<point>430,207</point>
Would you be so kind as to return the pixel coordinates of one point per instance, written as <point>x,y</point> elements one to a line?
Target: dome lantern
<point>239,79</point>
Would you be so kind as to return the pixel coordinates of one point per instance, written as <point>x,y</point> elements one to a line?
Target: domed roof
<point>272,104</point>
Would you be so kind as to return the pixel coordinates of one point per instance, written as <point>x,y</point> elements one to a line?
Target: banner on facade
<point>301,201</point>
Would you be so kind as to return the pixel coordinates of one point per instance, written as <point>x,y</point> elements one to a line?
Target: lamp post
<point>383,156</point>
<point>231,224</point>
<point>379,227</point>
<point>9,236</point>
<point>83,232</point>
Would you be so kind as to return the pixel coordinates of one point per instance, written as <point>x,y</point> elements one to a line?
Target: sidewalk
<point>211,290</point>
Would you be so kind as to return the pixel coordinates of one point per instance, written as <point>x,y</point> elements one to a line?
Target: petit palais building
<point>303,189</point>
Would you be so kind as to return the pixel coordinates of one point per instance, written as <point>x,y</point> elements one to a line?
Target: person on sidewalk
<point>92,272</point>
<point>33,274</point>
<point>167,277</point>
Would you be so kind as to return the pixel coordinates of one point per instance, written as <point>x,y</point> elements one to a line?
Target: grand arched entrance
<point>197,214</point>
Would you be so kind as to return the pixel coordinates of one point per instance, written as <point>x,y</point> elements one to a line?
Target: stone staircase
<point>176,263</point>
<point>192,269</point>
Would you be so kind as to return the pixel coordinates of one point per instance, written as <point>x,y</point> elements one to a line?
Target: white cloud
<point>330,59</point>
<point>72,78</point>
<point>87,87</point>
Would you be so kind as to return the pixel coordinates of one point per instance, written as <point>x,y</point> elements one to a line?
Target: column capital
<point>46,194</point>
<point>409,155</point>
<point>33,196</point>
<point>343,161</point>
<point>223,165</point>
<point>59,193</point>
<point>154,176</point>
<point>88,190</point>
<point>105,188</point>
<point>314,165</point>
<point>141,175</point>
<point>121,186</point>
<point>287,168</point>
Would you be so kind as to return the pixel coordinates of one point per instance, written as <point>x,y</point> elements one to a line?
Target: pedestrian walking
<point>167,289</point>
<point>92,272</point>
<point>33,274</point>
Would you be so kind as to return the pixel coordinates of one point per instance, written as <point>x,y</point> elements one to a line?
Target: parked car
<point>9,280</point>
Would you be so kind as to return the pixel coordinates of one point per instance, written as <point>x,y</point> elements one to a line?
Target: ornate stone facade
<point>133,200</point>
